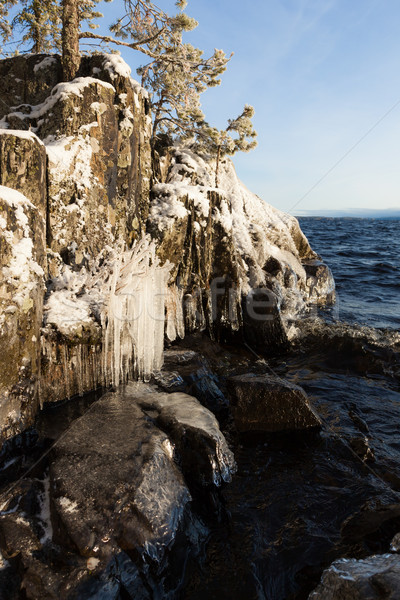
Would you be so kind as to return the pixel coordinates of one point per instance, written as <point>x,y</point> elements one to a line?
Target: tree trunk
<point>217,165</point>
<point>37,35</point>
<point>71,58</point>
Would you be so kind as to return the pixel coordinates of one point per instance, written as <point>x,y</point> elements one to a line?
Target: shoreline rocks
<point>268,403</point>
<point>376,578</point>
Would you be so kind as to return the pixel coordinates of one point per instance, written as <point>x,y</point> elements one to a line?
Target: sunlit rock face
<point>229,248</point>
<point>22,272</point>
<point>96,130</point>
<point>80,154</point>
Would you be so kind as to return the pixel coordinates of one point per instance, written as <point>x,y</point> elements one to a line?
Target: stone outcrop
<point>82,157</point>
<point>204,453</point>
<point>375,578</point>
<point>86,172</point>
<point>268,403</point>
<point>27,80</point>
<point>23,267</point>
<point>233,277</point>
<point>106,520</point>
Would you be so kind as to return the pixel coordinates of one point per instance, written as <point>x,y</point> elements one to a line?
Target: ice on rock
<point>133,318</point>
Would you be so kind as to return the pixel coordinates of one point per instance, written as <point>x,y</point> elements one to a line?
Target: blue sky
<point>321,75</point>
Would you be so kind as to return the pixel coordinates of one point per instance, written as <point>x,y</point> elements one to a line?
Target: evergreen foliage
<point>238,135</point>
<point>176,73</point>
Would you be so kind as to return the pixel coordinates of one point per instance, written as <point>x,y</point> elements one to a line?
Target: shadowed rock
<point>375,578</point>
<point>268,403</point>
<point>114,483</point>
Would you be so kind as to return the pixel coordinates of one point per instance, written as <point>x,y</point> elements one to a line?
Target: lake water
<point>298,503</point>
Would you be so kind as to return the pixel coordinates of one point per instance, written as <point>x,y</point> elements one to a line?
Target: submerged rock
<point>320,282</point>
<point>373,578</point>
<point>268,403</point>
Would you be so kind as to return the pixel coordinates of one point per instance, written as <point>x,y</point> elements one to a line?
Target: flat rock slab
<point>270,404</point>
<point>114,483</point>
<point>374,578</point>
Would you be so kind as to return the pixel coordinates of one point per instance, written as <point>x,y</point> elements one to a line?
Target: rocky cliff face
<point>79,155</point>
<point>241,266</point>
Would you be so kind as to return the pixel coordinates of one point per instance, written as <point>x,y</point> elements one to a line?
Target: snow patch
<point>45,63</point>
<point>68,505</point>
<point>24,135</point>
<point>67,313</point>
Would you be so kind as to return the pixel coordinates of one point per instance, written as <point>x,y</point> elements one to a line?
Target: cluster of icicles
<point>133,320</point>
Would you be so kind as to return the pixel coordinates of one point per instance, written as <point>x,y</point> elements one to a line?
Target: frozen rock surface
<point>269,403</point>
<point>203,451</point>
<point>105,521</point>
<point>22,276</point>
<point>227,244</point>
<point>114,482</point>
<point>373,578</point>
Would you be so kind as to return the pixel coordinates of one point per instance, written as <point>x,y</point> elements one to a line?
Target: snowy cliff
<point>229,247</point>
<point>76,268</point>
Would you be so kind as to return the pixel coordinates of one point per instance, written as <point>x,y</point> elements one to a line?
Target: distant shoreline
<point>361,217</point>
<point>353,214</point>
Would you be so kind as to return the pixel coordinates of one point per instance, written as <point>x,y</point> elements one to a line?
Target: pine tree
<point>177,77</point>
<point>221,142</point>
<point>5,26</point>
<point>39,22</point>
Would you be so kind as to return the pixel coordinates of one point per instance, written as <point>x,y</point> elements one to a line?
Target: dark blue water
<point>298,503</point>
<point>364,256</point>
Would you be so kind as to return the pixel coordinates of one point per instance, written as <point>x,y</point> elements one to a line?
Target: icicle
<point>175,319</point>
<point>64,352</point>
<point>133,320</point>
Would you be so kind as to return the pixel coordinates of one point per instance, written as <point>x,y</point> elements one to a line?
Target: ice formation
<point>133,319</point>
<point>268,246</point>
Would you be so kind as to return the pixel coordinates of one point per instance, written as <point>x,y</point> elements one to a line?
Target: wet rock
<point>371,529</point>
<point>203,452</point>
<point>358,421</point>
<point>114,483</point>
<point>395,543</point>
<point>360,445</point>
<point>320,282</point>
<point>189,372</point>
<point>268,403</point>
<point>263,327</point>
<point>116,505</point>
<point>375,578</point>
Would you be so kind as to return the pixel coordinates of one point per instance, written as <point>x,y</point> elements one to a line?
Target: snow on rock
<point>64,89</point>
<point>116,65</point>
<point>257,245</point>
<point>47,62</point>
<point>25,135</point>
<point>67,312</point>
<point>22,270</point>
